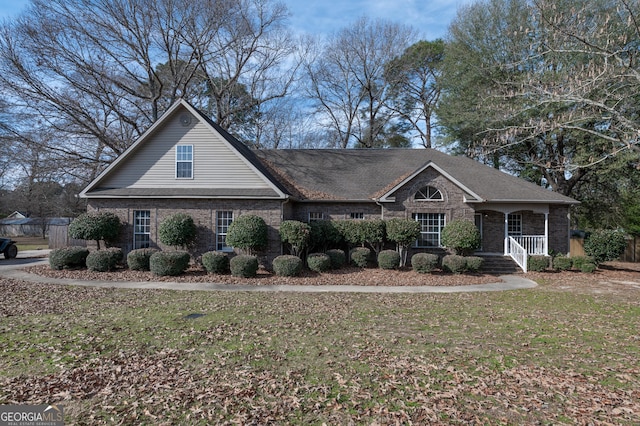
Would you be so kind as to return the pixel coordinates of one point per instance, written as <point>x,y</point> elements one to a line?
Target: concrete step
<point>500,265</point>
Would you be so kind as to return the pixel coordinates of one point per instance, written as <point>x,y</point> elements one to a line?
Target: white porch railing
<point>518,253</point>
<point>533,244</point>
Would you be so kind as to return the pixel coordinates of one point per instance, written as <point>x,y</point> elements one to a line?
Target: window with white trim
<point>223,220</point>
<point>431,225</point>
<point>356,215</point>
<point>314,216</point>
<point>428,193</point>
<point>514,224</point>
<point>141,229</point>
<point>184,162</point>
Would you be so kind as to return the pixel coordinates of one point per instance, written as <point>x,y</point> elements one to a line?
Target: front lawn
<point>556,354</point>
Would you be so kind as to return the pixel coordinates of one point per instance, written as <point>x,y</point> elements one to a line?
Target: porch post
<point>506,234</point>
<point>546,234</point>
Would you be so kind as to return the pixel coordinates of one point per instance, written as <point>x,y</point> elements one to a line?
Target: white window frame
<point>224,218</point>
<point>356,215</point>
<point>183,158</point>
<point>141,229</point>
<point>428,193</point>
<point>514,224</point>
<point>431,225</point>
<point>315,216</point>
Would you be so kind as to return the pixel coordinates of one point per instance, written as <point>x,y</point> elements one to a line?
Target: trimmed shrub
<point>170,263</point>
<point>95,226</point>
<point>454,263</point>
<point>177,230</point>
<point>578,261</point>
<point>424,263</point>
<point>324,234</point>
<point>104,260</point>
<point>244,265</point>
<point>474,263</point>
<point>296,234</point>
<point>248,232</point>
<point>461,236</point>
<point>319,262</point>
<point>338,258</point>
<point>138,260</point>
<point>537,263</point>
<point>389,259</point>
<point>588,267</point>
<point>216,262</point>
<point>287,265</point>
<point>360,256</point>
<point>605,245</point>
<point>68,257</point>
<point>404,232</point>
<point>562,263</point>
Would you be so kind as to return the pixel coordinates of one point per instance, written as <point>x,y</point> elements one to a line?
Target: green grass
<point>130,356</point>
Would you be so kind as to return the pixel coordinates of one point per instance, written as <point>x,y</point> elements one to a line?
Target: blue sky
<point>430,17</point>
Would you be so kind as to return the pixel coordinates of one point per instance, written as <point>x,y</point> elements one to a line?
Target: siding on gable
<point>215,165</point>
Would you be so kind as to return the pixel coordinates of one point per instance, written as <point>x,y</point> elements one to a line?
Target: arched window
<point>428,193</point>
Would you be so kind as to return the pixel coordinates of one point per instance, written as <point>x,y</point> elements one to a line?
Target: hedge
<point>461,236</point>
<point>338,258</point>
<point>287,265</point>
<point>474,263</point>
<point>319,262</point>
<point>216,262</point>
<point>244,265</point>
<point>389,259</point>
<point>424,263</point>
<point>138,260</point>
<point>104,260</point>
<point>360,256</point>
<point>68,257</point>
<point>538,263</point>
<point>454,263</point>
<point>562,263</point>
<point>170,263</point>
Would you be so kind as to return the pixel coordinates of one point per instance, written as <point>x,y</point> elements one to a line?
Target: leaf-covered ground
<point>566,352</point>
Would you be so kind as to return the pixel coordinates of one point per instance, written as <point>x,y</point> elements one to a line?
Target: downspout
<point>286,201</point>
<point>377,200</point>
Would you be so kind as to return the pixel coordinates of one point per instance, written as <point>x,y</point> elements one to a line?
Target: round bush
<point>287,265</point>
<point>562,263</point>
<point>338,258</point>
<point>588,267</point>
<point>319,262</point>
<point>248,232</point>
<point>177,230</point>
<point>104,260</point>
<point>578,261</point>
<point>68,257</point>
<point>360,256</point>
<point>424,263</point>
<point>605,245</point>
<point>216,262</point>
<point>474,263</point>
<point>538,263</point>
<point>389,259</point>
<point>454,263</point>
<point>244,265</point>
<point>95,226</point>
<point>296,234</point>
<point>461,236</point>
<point>138,260</point>
<point>170,263</point>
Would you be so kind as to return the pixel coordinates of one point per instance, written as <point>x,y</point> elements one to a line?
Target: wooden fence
<point>631,253</point>
<point>59,237</point>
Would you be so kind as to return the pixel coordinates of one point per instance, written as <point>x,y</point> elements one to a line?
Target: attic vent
<point>185,119</point>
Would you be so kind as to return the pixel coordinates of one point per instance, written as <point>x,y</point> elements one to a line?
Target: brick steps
<point>500,265</point>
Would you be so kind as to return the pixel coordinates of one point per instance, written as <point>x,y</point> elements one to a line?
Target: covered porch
<point>522,230</point>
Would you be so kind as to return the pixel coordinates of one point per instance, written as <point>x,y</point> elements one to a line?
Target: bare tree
<point>346,80</point>
<point>548,89</point>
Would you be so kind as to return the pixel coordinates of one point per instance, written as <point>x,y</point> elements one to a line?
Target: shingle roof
<point>367,174</point>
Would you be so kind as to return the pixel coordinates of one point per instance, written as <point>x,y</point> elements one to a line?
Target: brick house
<point>187,163</point>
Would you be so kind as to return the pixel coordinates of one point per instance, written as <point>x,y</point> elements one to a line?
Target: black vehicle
<point>8,248</point>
